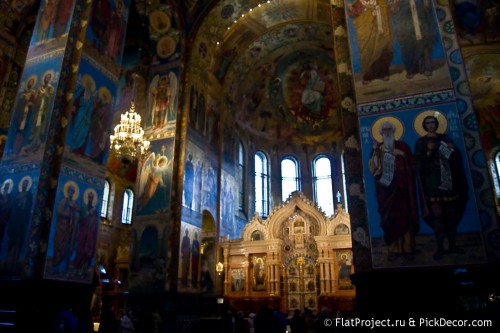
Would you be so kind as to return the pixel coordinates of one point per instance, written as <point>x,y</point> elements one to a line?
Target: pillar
<point>246,266</point>
<point>54,163</point>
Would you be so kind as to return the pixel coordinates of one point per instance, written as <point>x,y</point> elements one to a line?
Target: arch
<point>207,222</point>
<point>261,183</point>
<point>208,251</point>
<point>322,183</point>
<point>298,204</point>
<point>290,176</point>
<point>495,170</point>
<point>148,247</point>
<point>257,235</point>
<point>105,198</point>
<point>127,206</point>
<point>241,176</point>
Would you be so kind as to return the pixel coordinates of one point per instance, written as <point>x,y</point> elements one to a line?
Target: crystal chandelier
<point>128,142</point>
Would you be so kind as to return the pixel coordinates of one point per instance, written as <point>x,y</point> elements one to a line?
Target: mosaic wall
<point>73,234</point>
<point>155,179</point>
<point>460,164</point>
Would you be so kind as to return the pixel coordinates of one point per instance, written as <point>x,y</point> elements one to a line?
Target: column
<point>246,265</point>
<point>56,151</point>
<point>226,288</point>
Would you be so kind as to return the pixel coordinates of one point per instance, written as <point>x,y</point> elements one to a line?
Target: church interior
<point>180,159</point>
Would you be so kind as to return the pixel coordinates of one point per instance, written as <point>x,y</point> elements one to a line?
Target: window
<point>290,180</point>
<point>344,185</point>
<point>105,200</point>
<point>241,177</point>
<point>261,184</point>
<point>495,169</point>
<point>257,235</point>
<point>128,203</point>
<point>322,183</point>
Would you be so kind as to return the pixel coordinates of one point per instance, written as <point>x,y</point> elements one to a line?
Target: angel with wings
<point>162,99</point>
<point>153,174</point>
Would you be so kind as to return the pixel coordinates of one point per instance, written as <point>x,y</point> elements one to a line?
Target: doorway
<point>301,289</point>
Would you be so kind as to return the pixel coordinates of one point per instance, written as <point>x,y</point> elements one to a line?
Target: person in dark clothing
<point>321,321</point>
<point>297,324</point>
<point>65,321</point>
<point>264,320</point>
<point>279,321</point>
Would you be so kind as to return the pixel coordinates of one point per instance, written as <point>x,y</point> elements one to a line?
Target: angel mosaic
<point>162,98</point>
<point>153,176</point>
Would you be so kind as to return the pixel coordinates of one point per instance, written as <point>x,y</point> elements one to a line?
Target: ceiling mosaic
<point>275,62</point>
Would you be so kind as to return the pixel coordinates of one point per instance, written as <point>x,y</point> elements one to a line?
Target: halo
<point>87,78</point>
<point>162,162</point>
<point>75,186</point>
<point>158,14</point>
<point>166,47</point>
<point>10,182</point>
<point>443,122</point>
<point>395,121</point>
<point>30,182</point>
<point>33,77</point>
<point>51,72</point>
<point>105,94</point>
<point>163,78</point>
<point>120,7</point>
<point>90,190</point>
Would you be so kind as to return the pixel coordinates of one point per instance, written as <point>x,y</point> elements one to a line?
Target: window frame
<point>127,206</point>
<point>330,209</point>
<point>495,172</point>
<point>241,176</point>
<point>106,194</point>
<point>290,179</point>
<point>263,207</point>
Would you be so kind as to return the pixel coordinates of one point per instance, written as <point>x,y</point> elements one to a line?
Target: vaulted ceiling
<point>273,59</point>
<point>275,62</point>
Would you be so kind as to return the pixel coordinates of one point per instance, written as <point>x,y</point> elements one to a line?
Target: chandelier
<point>128,142</point>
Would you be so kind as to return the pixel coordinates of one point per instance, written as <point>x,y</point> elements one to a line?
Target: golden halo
<point>419,119</point>
<point>105,95</point>
<point>85,194</point>
<point>162,162</point>
<point>166,47</point>
<point>30,182</point>
<point>158,17</point>
<point>10,182</point>
<point>87,79</point>
<point>395,121</point>
<point>75,186</point>
<point>120,7</point>
<point>33,77</point>
<point>52,74</point>
<point>163,78</point>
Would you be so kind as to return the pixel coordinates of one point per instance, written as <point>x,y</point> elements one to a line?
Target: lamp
<point>128,141</point>
<point>219,268</point>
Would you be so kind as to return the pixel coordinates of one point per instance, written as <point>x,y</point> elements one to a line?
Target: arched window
<point>261,184</point>
<point>344,185</point>
<point>322,184</point>
<point>495,171</point>
<point>290,180</point>
<point>105,199</point>
<point>241,177</point>
<point>128,204</point>
<point>257,235</point>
